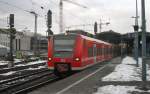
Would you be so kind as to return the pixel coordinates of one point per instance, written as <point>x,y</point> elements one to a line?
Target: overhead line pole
<point>143,41</point>
<point>137,34</point>
<point>35,33</point>
<point>136,38</point>
<point>61,28</point>
<point>61,18</point>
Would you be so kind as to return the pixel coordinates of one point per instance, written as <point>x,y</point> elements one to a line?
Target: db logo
<point>62,60</point>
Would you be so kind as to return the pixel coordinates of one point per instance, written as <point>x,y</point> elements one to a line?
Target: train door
<point>94,52</point>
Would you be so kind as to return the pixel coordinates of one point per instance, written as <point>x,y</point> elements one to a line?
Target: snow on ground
<point>128,60</point>
<point>36,62</point>
<point>111,89</point>
<point>40,67</point>
<point>6,62</point>
<point>8,73</point>
<point>12,72</point>
<point>20,65</point>
<point>32,63</point>
<point>126,71</point>
<point>18,60</point>
<point>3,62</point>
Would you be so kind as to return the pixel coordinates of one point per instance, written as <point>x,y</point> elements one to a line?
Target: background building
<point>23,42</point>
<point>4,37</point>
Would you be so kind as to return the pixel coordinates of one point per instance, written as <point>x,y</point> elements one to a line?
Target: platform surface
<point>84,82</point>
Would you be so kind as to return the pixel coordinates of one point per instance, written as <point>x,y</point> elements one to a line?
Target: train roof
<point>85,37</point>
<point>93,39</point>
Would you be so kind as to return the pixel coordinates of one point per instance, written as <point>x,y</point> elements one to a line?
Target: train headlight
<point>77,59</point>
<point>49,59</point>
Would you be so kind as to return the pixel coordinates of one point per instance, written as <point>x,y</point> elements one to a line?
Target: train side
<point>76,52</point>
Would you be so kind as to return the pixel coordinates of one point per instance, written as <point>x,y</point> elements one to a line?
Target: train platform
<point>84,82</point>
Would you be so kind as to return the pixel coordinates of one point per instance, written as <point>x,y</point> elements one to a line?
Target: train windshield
<point>63,45</point>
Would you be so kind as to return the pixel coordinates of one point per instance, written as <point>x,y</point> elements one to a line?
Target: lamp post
<point>136,38</point>
<point>35,47</point>
<point>143,41</point>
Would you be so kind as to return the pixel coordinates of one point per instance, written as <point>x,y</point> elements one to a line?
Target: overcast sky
<point>117,12</point>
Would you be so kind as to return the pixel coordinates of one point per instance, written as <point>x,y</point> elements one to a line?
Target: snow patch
<point>111,89</point>
<point>20,65</point>
<point>36,62</point>
<point>31,63</point>
<point>127,71</point>
<point>128,60</point>
<point>8,73</point>
<point>40,67</point>
<point>3,63</point>
<point>18,60</point>
<point>123,73</point>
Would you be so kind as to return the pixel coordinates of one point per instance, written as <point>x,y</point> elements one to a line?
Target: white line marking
<point>77,82</point>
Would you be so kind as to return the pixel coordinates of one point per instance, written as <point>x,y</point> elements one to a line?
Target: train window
<point>97,52</point>
<point>100,51</point>
<point>90,52</point>
<point>104,51</point>
<point>63,46</point>
<point>64,42</point>
<point>84,43</point>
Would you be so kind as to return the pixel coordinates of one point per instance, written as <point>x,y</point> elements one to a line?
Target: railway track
<point>17,63</point>
<point>17,68</point>
<point>20,77</point>
<point>35,86</point>
<point>26,82</point>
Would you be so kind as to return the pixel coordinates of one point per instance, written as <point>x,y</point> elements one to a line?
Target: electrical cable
<point>70,13</point>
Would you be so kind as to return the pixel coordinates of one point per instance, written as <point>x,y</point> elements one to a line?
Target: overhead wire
<point>78,18</point>
<point>5,22</point>
<point>27,11</point>
<point>38,5</point>
<point>70,13</point>
<point>6,3</point>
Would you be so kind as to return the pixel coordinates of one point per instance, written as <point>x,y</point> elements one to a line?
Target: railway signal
<point>12,32</point>
<point>49,23</point>
<point>95,28</point>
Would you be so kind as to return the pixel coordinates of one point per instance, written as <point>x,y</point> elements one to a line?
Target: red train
<point>76,52</point>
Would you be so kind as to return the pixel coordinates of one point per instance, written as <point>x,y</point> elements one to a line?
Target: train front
<point>61,53</point>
